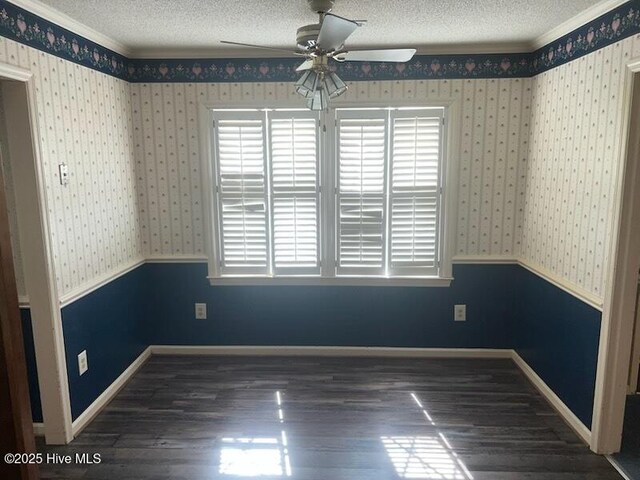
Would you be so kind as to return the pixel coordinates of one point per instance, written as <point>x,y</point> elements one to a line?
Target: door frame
<point>618,315</point>
<point>37,251</point>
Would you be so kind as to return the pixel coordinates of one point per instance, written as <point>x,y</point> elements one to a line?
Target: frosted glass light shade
<point>308,83</point>
<point>319,100</point>
<point>334,85</point>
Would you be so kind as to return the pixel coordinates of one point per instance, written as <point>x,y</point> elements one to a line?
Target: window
<point>344,194</point>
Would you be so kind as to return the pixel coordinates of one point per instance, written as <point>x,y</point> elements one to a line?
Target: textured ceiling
<point>198,25</point>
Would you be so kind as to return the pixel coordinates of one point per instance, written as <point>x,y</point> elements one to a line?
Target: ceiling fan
<point>322,41</point>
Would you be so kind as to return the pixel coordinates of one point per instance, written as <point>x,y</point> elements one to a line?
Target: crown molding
<point>62,20</point>
<point>46,29</point>
<point>584,17</point>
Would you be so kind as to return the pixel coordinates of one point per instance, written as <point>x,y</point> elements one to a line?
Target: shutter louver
<point>362,150</point>
<point>414,193</point>
<point>295,192</point>
<point>361,231</point>
<point>242,193</point>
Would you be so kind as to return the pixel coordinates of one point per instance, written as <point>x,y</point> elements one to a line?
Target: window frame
<point>327,240</point>
<point>335,115</point>
<point>280,114</point>
<point>217,204</point>
<point>438,195</point>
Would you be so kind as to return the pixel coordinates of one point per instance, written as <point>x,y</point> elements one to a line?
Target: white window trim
<point>448,217</point>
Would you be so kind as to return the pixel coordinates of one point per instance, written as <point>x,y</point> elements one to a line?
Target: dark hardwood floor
<point>330,419</point>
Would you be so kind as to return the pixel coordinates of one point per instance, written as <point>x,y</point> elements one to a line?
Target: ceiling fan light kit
<point>318,87</point>
<point>323,41</point>
<point>318,84</point>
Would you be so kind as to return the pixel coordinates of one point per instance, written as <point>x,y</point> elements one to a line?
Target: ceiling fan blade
<point>306,65</point>
<point>334,31</point>
<point>391,55</point>
<point>262,47</point>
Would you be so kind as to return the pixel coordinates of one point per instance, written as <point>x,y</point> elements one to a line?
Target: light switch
<point>64,173</point>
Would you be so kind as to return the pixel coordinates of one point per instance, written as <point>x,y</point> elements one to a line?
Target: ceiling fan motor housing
<point>307,36</point>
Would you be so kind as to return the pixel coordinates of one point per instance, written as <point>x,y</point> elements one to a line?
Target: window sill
<point>332,281</point>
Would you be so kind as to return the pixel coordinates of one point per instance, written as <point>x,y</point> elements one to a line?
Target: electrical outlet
<point>83,366</point>
<point>201,311</point>
<point>460,313</point>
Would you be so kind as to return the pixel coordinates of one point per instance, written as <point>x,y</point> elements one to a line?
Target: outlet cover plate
<point>83,366</point>
<point>460,313</point>
<point>201,311</point>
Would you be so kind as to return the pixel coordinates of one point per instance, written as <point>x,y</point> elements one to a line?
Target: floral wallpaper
<point>24,27</point>
<point>284,69</point>
<point>493,133</point>
<point>611,27</point>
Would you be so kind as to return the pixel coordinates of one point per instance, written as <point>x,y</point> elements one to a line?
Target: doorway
<point>22,154</point>
<point>617,370</point>
<point>15,415</point>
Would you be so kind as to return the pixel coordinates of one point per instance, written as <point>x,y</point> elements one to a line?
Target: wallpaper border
<point>421,67</point>
<point>24,27</point>
<point>27,28</point>
<point>617,24</point>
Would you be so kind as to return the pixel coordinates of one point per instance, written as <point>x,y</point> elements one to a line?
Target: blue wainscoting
<point>330,315</point>
<point>107,323</point>
<point>32,369</point>
<point>507,307</point>
<point>557,335</point>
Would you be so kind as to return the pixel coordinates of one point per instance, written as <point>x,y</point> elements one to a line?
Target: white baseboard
<point>38,429</point>
<point>558,405</point>
<point>112,390</point>
<point>23,301</point>
<point>618,468</point>
<point>327,351</point>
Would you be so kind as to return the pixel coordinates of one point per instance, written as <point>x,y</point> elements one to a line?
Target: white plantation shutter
<point>414,197</point>
<point>242,192</point>
<point>295,191</point>
<point>382,166</point>
<point>361,138</point>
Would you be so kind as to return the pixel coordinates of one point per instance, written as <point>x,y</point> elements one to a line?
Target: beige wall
<point>493,133</point>
<point>537,162</point>
<point>573,162</point>
<point>85,121</point>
